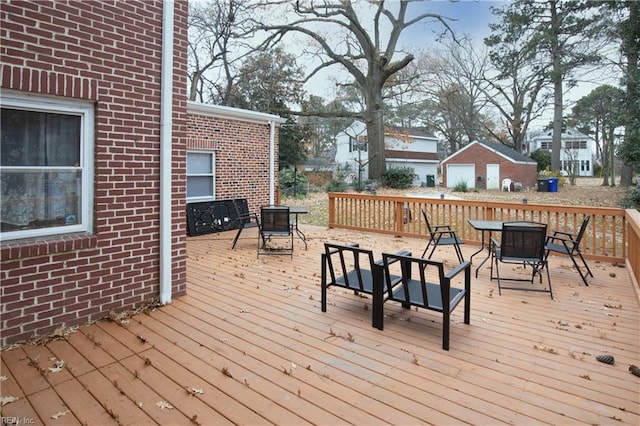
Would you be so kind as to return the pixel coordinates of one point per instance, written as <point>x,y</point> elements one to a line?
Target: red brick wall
<point>108,52</point>
<point>480,156</point>
<point>242,156</point>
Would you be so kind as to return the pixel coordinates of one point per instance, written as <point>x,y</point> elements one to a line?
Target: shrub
<point>461,187</point>
<point>632,199</point>
<point>336,185</point>
<point>543,158</point>
<point>292,182</point>
<point>398,177</point>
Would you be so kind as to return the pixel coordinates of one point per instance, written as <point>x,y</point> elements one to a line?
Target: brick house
<point>485,165</point>
<point>96,138</point>
<point>234,151</point>
<point>93,158</point>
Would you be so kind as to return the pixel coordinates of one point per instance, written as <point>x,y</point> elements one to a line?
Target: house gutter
<point>272,161</point>
<point>166,136</point>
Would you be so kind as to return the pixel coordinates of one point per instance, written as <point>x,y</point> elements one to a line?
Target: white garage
<point>458,173</point>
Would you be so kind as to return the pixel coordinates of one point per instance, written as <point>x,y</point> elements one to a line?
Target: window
<point>358,144</point>
<point>200,176</point>
<point>46,167</point>
<point>546,145</point>
<point>575,145</point>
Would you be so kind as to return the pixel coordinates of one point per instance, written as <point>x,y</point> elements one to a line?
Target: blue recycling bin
<point>553,184</point>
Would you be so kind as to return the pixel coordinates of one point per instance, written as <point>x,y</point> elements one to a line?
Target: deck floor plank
<point>209,365</point>
<point>454,397</point>
<point>524,359</point>
<point>114,402</point>
<point>371,367</point>
<point>278,350</point>
<point>51,408</point>
<point>20,409</point>
<point>86,408</point>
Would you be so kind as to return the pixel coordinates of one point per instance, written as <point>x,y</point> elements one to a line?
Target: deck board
<point>524,359</point>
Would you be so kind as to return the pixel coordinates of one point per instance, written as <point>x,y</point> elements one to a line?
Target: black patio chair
<point>275,226</point>
<point>243,218</point>
<point>566,243</point>
<point>353,268</point>
<point>521,243</point>
<point>435,294</point>
<point>441,235</point>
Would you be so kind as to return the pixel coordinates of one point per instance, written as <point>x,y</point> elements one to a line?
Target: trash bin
<point>543,185</point>
<point>553,184</point>
<point>431,180</point>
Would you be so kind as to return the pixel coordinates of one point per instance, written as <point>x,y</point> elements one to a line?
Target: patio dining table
<point>298,210</point>
<point>489,226</point>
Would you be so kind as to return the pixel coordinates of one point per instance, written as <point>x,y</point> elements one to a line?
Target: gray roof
<point>507,151</point>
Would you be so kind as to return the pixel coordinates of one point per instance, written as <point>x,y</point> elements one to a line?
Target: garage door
<point>458,173</point>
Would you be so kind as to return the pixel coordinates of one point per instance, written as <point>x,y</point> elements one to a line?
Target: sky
<point>471,17</point>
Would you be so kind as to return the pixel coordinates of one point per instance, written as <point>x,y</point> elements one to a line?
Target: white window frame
<point>53,105</point>
<point>212,175</point>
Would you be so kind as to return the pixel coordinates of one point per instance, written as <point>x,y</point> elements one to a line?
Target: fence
<point>606,237</point>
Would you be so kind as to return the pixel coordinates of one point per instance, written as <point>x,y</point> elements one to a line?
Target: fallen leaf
<point>164,404</point>
<point>59,414</point>
<point>8,399</point>
<point>57,367</point>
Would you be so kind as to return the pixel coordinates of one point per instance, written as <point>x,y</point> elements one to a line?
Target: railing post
<point>332,210</point>
<point>399,208</point>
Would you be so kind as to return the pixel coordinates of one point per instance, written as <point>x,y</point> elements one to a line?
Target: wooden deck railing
<point>613,234</point>
<point>633,246</point>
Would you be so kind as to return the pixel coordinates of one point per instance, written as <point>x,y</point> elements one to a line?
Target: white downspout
<point>166,136</point>
<point>272,160</point>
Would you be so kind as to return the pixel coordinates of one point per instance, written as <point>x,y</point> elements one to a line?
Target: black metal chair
<point>275,226</point>
<point>441,235</point>
<point>435,295</point>
<point>243,218</point>
<point>353,268</point>
<point>565,243</point>
<point>521,243</point>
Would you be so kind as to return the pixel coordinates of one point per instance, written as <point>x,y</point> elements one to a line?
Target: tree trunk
<point>375,135</point>
<point>557,89</point>
<point>605,163</point>
<point>626,175</point>
<point>612,154</point>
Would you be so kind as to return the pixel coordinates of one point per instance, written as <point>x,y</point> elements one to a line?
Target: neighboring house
<point>485,165</point>
<point>577,154</point>
<point>100,152</point>
<point>410,148</point>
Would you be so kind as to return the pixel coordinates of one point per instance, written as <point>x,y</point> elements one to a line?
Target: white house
<point>404,147</point>
<point>578,150</point>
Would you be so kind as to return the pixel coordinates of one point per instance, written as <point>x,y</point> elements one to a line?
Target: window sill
<point>13,250</point>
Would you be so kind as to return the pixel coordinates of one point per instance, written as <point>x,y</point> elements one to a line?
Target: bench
<point>214,216</point>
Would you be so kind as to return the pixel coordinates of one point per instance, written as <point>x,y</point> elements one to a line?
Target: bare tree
<point>220,37</point>
<point>345,37</point>
<point>451,82</point>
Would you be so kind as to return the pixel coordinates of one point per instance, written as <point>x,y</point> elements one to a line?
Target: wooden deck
<point>249,345</point>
